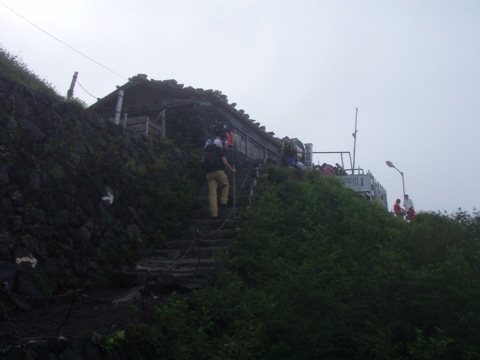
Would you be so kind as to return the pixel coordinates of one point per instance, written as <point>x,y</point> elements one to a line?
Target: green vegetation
<point>317,272</point>
<point>13,68</point>
<point>320,273</point>
<point>109,342</point>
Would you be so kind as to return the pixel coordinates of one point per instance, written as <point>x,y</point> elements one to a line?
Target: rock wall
<point>80,196</point>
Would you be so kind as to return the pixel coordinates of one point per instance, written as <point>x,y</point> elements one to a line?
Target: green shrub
<point>318,272</point>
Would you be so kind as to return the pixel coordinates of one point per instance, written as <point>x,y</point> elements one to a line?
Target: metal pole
<point>403,183</point>
<point>354,141</point>
<point>164,120</point>
<point>390,164</point>
<point>162,117</point>
<point>234,194</point>
<point>197,233</point>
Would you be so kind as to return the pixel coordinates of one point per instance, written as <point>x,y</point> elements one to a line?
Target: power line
<point>86,90</point>
<point>63,43</point>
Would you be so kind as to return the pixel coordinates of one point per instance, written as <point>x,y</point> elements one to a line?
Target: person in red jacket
<point>398,210</point>
<point>229,137</point>
<point>327,169</point>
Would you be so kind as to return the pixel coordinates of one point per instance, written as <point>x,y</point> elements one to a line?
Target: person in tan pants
<point>217,178</point>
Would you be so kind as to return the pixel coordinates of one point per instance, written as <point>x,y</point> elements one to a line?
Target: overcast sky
<point>299,67</point>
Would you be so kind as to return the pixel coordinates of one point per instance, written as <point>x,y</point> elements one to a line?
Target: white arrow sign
<point>108,196</point>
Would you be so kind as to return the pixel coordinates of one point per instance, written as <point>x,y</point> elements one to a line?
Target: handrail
<point>341,157</point>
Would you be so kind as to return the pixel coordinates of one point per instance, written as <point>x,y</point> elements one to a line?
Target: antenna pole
<point>354,141</point>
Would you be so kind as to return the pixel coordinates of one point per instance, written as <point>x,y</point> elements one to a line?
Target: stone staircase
<point>189,261</point>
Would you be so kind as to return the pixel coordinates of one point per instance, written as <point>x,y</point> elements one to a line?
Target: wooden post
<point>118,110</point>
<point>72,85</point>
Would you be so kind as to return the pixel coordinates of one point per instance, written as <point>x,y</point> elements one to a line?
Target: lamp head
<point>389,164</point>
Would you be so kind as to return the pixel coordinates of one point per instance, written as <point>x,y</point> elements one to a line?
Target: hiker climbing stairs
<point>189,261</point>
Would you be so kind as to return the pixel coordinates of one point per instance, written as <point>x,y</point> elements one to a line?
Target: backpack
<point>212,157</point>
<point>290,148</point>
<point>210,143</point>
<point>219,128</point>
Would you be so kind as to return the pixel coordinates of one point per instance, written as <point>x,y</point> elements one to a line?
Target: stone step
<point>189,262</point>
<point>203,213</point>
<point>171,266</point>
<point>238,201</point>
<point>185,278</point>
<point>194,243</point>
<point>206,226</point>
<point>191,234</point>
<point>142,271</point>
<point>202,252</point>
<point>192,272</point>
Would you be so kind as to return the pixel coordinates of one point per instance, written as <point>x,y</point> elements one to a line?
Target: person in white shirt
<point>408,204</point>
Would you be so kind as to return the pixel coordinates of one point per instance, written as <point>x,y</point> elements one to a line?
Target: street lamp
<point>390,164</point>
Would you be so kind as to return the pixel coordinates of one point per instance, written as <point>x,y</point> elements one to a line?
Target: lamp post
<point>390,164</point>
